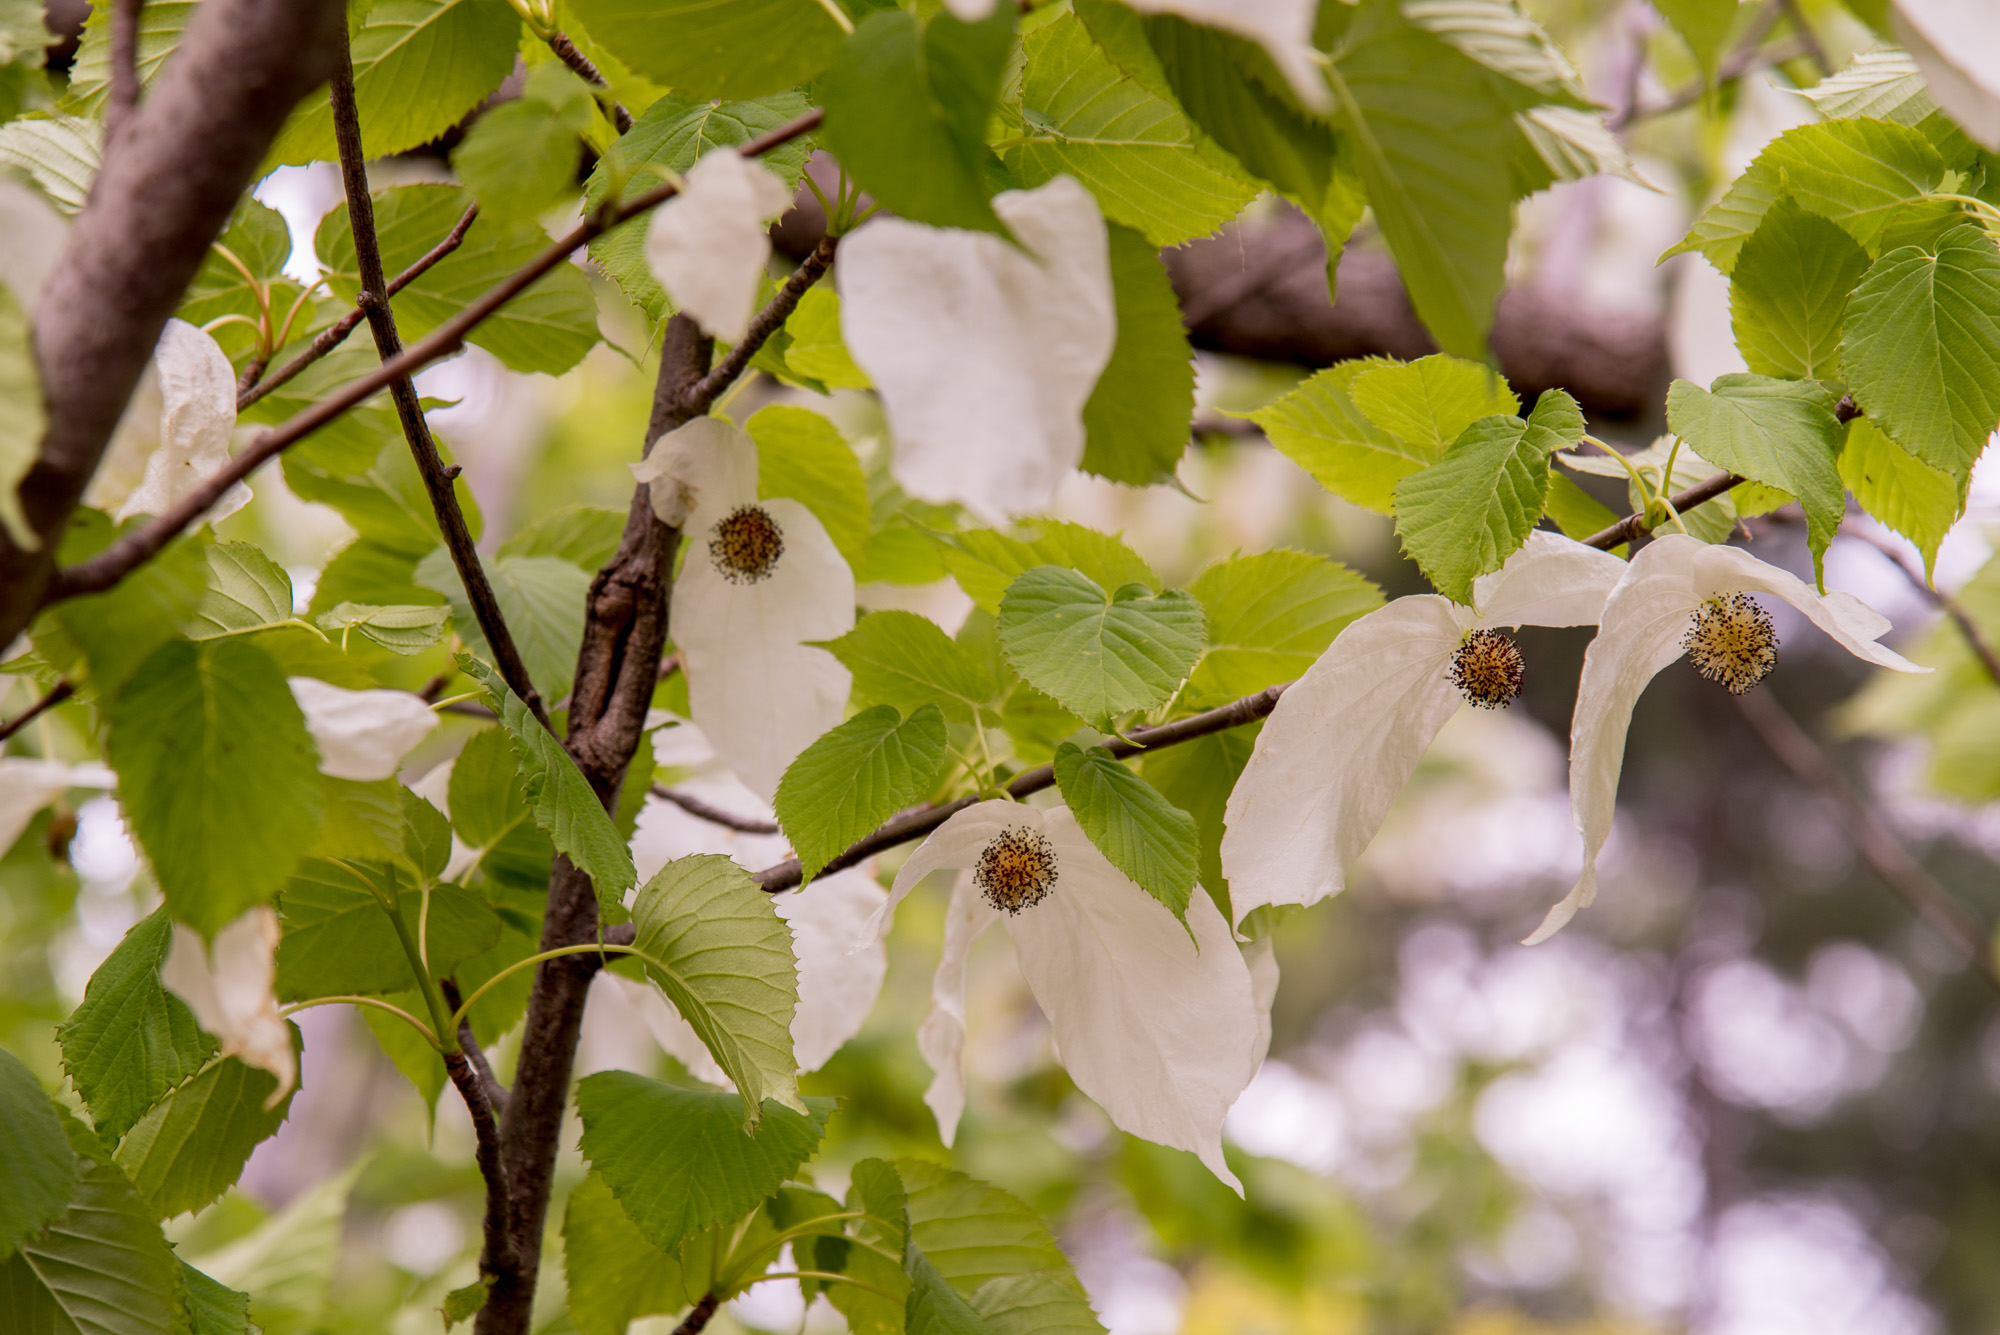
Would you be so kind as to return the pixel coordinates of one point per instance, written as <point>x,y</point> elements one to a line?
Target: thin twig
<point>60,692</point>
<point>1636,525</point>
<point>1806,36</point>
<point>697,1320</point>
<point>124,98</point>
<point>1975,639</point>
<point>1873,839</point>
<point>496,1093</point>
<point>331,337</point>
<point>581,66</point>
<point>694,806</point>
<point>764,324</point>
<point>128,552</point>
<point>438,480</point>
<point>496,1253</point>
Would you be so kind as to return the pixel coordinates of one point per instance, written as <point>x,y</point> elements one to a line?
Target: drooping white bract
<point>361,735</point>
<point>984,352</point>
<point>1161,1031</point>
<point>1346,736</point>
<point>27,785</point>
<point>1956,43</point>
<point>1647,622</point>
<point>197,414</point>
<point>228,987</point>
<point>708,245</point>
<point>1284,28</point>
<point>761,578</point>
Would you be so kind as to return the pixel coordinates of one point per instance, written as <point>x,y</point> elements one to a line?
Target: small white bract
<point>1954,42</point>
<point>1675,591</point>
<point>228,987</point>
<point>197,415</point>
<point>1347,735</point>
<point>708,245</point>
<point>27,785</point>
<point>1162,1031</point>
<point>361,735</point>
<point>1283,28</point>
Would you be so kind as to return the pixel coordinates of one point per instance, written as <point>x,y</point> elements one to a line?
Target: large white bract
<point>228,987</point>
<point>361,735</point>
<point>1956,43</point>
<point>1346,736</point>
<point>708,245</point>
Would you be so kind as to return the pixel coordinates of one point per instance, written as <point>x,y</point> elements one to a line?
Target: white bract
<point>27,785</point>
<point>984,352</point>
<point>197,415</point>
<point>1346,736</point>
<point>708,245</point>
<point>1161,1031</point>
<point>1284,28</point>
<point>761,578</point>
<point>228,987</point>
<point>1956,43</point>
<point>1671,593</point>
<point>361,735</point>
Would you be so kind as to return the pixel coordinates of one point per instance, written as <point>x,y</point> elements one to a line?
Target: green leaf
<point>407,1049</point>
<point>565,806</point>
<point>117,630</point>
<point>817,349</point>
<point>1782,433</point>
<point>935,1307</point>
<point>192,1146</point>
<point>520,158</point>
<point>1197,777</point>
<point>463,1304</point>
<point>1145,836</point>
<point>338,938</point>
<point>906,109</point>
<point>741,48</point>
<point>802,455</point>
<point>1132,148</point>
<point>984,562</point>
<point>1569,145</point>
<point>41,1167</point>
<point>722,955</point>
<point>214,1307</point>
<point>1704,25</point>
<point>583,535</point>
<point>23,419</point>
<point>1433,140</point>
<point>1884,84</point>
<point>1428,403</point>
<point>102,1268</point>
<point>1468,512</point>
<point>490,812</point>
<point>1137,422</point>
<point>59,153</point>
<point>679,1160</point>
<point>1855,172</point>
<point>246,591</point>
<point>1901,490</point>
<point>1497,35</point>
<point>903,659</point>
<point>1041,1302</point>
<point>547,328</point>
<point>419,67</point>
<point>131,1040</point>
<point>855,777</point>
<point>1269,616</point>
<point>1922,348</point>
<point>161,27</point>
<point>1098,654</point>
<point>542,600</point>
<point>1317,426</point>
<point>1788,294</point>
<point>286,1263</point>
<point>217,776</point>
<point>403,629</point>
<point>1577,513</point>
<point>671,136</point>
<point>615,1275</point>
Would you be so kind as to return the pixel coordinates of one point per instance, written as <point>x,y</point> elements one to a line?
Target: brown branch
<point>1873,839</point>
<point>496,1252</point>
<point>60,692</point>
<point>123,556</point>
<point>438,480</point>
<point>252,388</point>
<point>124,99</point>
<point>765,323</point>
<point>581,66</point>
<point>496,1093</point>
<point>182,164</point>
<point>698,1319</point>
<point>694,806</point>
<point>1636,525</point>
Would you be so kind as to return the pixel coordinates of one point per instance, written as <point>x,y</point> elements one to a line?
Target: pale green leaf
<point>615,1275</point>
<point>401,629</point>
<point>520,158</point>
<point>984,562</point>
<point>59,153</point>
<point>542,601</point>
<point>490,812</point>
<point>1922,348</point>
<point>1138,418</point>
<point>902,659</point>
<point>23,417</point>
<point>1428,403</point>
<point>722,955</point>
<point>409,1051</point>
<point>817,349</point>
<point>934,1306</point>
<point>1270,616</point>
<point>1318,427</point>
<point>246,591</point>
<point>716,48</point>
<point>583,535</point>
<point>1576,512</point>
<point>1782,433</point>
<point>1884,84</point>
<point>162,23</point>
<point>1041,1302</point>
<point>1468,512</point>
<point>1498,35</point>
<point>1197,777</point>
<point>1788,293</point>
<point>800,454</point>
<point>192,1146</point>
<point>1098,654</point>
<point>338,939</point>
<point>855,777</point>
<point>217,776</point>
<point>41,1167</point>
<point>1573,144</point>
<point>975,1234</point>
<point>1704,25</point>
<point>213,1307</point>
<point>286,1263</point>
<point>1901,490</point>
<point>1142,834</point>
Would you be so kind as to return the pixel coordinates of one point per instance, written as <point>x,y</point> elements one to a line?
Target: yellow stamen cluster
<point>1016,870</point>
<point>1487,669</point>
<point>1731,642</point>
<point>746,546</point>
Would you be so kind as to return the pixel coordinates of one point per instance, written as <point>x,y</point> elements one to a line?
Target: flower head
<point>1682,596</point>
<point>708,245</point>
<point>1347,735</point>
<point>228,987</point>
<point>761,579</point>
<point>1161,1031</point>
<point>361,735</point>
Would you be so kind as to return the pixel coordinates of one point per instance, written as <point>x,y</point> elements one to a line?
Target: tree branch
<point>694,806</point>
<point>496,1093</point>
<point>1636,525</point>
<point>123,556</point>
<point>60,692</point>
<point>764,324</point>
<point>697,1320</point>
<point>438,480</point>
<point>124,98</point>
<point>182,163</point>
<point>581,66</point>
<point>496,1252</point>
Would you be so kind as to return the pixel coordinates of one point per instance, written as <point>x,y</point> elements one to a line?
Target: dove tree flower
<point>227,985</point>
<point>1681,596</point>
<point>984,352</point>
<point>1162,1031</point>
<point>708,245</point>
<point>760,580</point>
<point>361,735</point>
<point>197,388</point>
<point>1346,736</point>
